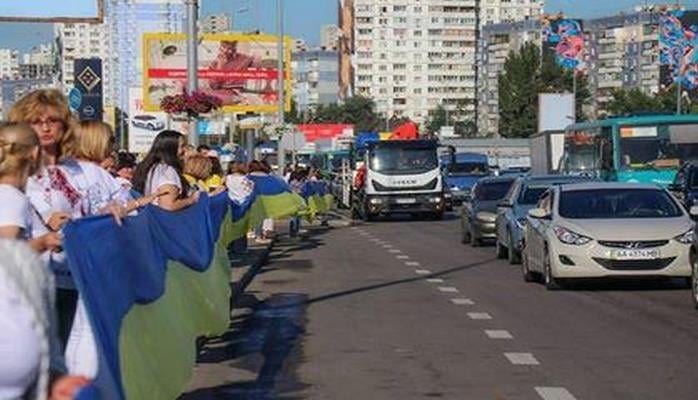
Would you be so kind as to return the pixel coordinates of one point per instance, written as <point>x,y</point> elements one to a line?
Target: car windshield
<point>404,160</point>
<point>467,168</point>
<point>531,194</point>
<point>492,191</point>
<point>617,203</point>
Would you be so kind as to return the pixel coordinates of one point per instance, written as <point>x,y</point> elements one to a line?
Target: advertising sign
<point>678,47</point>
<point>314,132</point>
<point>51,11</point>
<point>143,125</point>
<point>565,37</point>
<point>555,111</point>
<point>88,81</point>
<point>241,70</point>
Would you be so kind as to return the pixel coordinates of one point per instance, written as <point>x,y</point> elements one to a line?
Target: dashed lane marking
<point>448,289</point>
<point>521,358</point>
<point>395,251</point>
<point>403,257</point>
<point>435,280</point>
<point>554,393</point>
<point>498,334</point>
<point>413,264</point>
<point>422,271</point>
<point>479,315</point>
<point>462,302</point>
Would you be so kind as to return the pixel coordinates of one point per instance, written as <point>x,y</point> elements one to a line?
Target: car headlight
<point>375,201</point>
<point>686,238</point>
<point>485,217</point>
<point>568,237</point>
<point>435,199</point>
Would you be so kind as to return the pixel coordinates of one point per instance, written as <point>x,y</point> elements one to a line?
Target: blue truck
<point>461,172</point>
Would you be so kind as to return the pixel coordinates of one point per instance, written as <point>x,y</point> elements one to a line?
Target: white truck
<point>399,176</point>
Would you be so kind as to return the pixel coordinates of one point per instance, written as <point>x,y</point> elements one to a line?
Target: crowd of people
<point>54,169</point>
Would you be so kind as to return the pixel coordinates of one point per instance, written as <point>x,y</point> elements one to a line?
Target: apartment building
<point>497,41</point>
<point>622,53</point>
<point>315,79</point>
<point>9,64</point>
<point>412,56</point>
<point>498,11</point>
<point>329,37</point>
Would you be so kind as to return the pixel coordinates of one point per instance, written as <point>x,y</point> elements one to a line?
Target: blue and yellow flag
<point>155,284</point>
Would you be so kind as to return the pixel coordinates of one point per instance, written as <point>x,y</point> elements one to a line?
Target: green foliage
<point>357,110</point>
<point>526,74</point>
<point>634,101</point>
<point>439,117</point>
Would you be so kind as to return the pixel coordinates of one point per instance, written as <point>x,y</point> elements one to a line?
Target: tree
<point>437,119</point>
<point>357,110</point>
<point>526,74</point>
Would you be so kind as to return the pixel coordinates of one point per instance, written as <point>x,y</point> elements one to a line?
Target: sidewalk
<point>243,363</point>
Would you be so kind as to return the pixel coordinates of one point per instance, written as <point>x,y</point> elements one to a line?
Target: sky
<point>303,18</point>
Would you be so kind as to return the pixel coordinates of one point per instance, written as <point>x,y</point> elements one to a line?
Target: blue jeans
<point>294,226</point>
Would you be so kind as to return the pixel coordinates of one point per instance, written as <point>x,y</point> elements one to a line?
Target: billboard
<point>565,37</point>
<point>239,69</point>
<point>52,11</point>
<point>555,111</point>
<point>678,42</point>
<point>143,125</point>
<point>88,82</point>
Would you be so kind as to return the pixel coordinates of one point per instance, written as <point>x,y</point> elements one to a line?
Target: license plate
<point>635,254</point>
<point>406,201</point>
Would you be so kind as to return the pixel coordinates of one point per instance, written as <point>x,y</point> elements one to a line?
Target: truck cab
<point>400,176</point>
<point>461,172</point>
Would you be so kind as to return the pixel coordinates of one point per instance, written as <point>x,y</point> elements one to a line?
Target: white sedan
<point>596,230</point>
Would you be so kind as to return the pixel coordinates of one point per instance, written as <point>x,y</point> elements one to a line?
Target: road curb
<point>246,279</point>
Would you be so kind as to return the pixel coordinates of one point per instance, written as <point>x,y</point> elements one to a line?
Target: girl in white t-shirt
<point>101,193</point>
<point>19,156</point>
<point>161,172</point>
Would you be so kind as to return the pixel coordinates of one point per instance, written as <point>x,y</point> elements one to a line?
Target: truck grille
<point>429,186</point>
<point>635,265</point>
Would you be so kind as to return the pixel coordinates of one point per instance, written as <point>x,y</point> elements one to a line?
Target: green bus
<point>646,149</point>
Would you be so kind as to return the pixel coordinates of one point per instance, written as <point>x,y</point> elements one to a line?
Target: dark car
<point>479,212</point>
<point>685,185</point>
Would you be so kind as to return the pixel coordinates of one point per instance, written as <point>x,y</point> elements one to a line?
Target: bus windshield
<point>657,146</point>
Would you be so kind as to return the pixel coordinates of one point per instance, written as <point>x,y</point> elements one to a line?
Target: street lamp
<point>192,59</point>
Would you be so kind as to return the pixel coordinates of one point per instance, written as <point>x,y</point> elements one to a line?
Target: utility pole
<point>192,60</point>
<point>281,75</point>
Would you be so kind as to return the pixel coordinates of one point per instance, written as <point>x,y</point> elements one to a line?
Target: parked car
<point>148,122</point>
<point>596,230</point>
<point>479,211</point>
<point>685,185</point>
<point>513,211</point>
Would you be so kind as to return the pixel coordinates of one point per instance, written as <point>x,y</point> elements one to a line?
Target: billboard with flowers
<point>678,46</point>
<point>565,37</point>
<point>239,70</point>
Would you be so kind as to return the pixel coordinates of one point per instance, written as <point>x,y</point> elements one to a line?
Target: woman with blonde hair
<point>50,190</point>
<point>102,193</point>
<point>197,169</point>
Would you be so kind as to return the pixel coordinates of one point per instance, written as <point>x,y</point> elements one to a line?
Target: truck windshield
<point>467,168</point>
<point>410,160</point>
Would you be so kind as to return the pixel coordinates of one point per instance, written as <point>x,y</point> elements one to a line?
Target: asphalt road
<point>401,309</point>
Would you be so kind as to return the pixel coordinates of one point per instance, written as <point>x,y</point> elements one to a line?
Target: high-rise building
<point>329,37</point>
<point>9,64</point>
<point>498,11</point>
<point>496,42</point>
<point>299,45</point>
<point>43,54</point>
<point>216,23</point>
<point>82,40</point>
<point>622,53</point>
<point>412,57</point>
<point>315,79</point>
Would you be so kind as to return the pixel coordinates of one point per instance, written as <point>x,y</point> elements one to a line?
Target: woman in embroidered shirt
<point>49,189</point>
<point>161,172</point>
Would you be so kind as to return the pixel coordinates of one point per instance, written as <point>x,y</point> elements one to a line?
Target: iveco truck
<point>399,176</point>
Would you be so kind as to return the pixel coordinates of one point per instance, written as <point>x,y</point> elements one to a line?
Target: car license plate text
<point>635,254</point>
<point>406,201</point>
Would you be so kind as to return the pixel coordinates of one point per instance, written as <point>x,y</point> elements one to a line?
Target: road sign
<point>75,98</point>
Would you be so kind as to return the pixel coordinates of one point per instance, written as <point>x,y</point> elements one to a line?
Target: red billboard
<point>315,132</point>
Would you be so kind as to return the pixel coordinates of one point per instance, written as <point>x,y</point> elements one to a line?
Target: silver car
<point>513,210</point>
<point>479,212</point>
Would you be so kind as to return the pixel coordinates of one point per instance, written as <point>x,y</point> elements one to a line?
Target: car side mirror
<point>538,213</point>
<point>693,211</point>
<point>673,187</point>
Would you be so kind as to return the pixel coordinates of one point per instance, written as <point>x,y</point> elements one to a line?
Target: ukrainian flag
<point>155,284</point>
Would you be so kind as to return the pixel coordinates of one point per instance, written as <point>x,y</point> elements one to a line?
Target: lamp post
<point>192,60</point>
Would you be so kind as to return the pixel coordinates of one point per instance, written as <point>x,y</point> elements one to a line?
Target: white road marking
<point>387,246</point>
<point>462,302</point>
<point>498,334</point>
<point>479,315</point>
<point>448,289</point>
<point>421,271</point>
<point>554,393</point>
<point>377,241</point>
<point>521,358</point>
<point>395,251</point>
<point>403,257</point>
<point>435,280</point>
<point>413,264</point>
